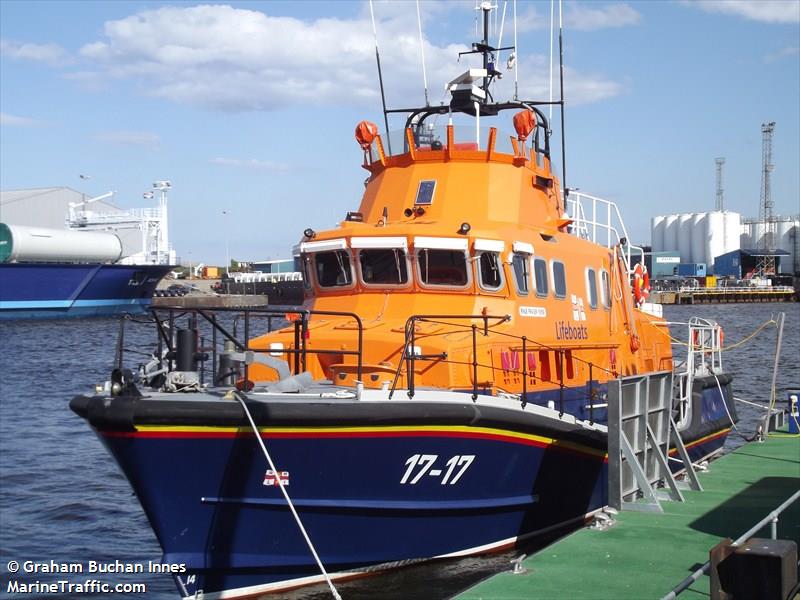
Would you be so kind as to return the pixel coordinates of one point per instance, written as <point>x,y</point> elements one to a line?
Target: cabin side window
<point>302,263</point>
<point>384,266</point>
<point>605,289</point>
<point>540,276</point>
<point>559,279</point>
<point>333,269</point>
<point>520,264</point>
<point>490,271</point>
<point>591,288</point>
<point>442,267</point>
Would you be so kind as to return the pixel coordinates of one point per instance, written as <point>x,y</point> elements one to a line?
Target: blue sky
<point>249,107</point>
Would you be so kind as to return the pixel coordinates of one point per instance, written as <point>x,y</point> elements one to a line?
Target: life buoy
<point>641,284</point>
<point>721,337</point>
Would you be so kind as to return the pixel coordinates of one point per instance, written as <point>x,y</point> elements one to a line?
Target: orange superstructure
<point>459,234</point>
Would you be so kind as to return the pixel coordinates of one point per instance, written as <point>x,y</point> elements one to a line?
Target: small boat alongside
<point>442,391</point>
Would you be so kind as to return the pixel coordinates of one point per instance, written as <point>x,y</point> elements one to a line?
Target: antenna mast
<point>380,78</point>
<point>765,264</point>
<point>720,200</point>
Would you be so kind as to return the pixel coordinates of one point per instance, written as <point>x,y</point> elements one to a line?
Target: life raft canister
<point>641,283</point>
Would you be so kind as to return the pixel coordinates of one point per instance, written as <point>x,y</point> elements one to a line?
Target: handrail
<point>409,357</point>
<point>771,517</point>
<point>299,351</point>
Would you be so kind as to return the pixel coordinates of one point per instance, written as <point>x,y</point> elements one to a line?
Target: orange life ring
<point>641,283</point>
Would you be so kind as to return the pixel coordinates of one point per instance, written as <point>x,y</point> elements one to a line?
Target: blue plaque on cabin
<point>425,192</point>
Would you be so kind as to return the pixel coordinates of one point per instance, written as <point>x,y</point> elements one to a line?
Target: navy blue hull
<point>51,290</point>
<point>358,495</point>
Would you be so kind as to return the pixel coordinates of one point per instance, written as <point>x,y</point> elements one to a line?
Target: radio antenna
<point>516,53</point>
<point>380,77</point>
<point>565,189</point>
<point>550,114</point>
<point>422,53</point>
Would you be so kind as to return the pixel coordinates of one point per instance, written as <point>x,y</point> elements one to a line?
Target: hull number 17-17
<point>420,465</point>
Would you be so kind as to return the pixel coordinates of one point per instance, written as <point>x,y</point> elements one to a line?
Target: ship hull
<point>372,492</point>
<point>53,290</point>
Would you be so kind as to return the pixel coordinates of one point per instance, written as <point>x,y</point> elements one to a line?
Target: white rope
<point>422,53</point>
<point>285,493</point>
<point>516,53</point>
<point>550,107</point>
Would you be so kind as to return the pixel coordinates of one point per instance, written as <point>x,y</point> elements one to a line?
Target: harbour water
<point>63,499</point>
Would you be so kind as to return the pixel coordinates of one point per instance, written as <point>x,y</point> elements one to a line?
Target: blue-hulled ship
<point>84,270</point>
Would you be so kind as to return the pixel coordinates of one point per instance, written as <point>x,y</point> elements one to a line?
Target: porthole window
<point>520,263</point>
<point>442,267</point>
<point>540,276</point>
<point>490,271</point>
<point>333,269</point>
<point>559,279</point>
<point>591,288</point>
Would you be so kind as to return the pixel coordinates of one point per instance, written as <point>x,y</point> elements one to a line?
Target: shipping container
<point>692,269</point>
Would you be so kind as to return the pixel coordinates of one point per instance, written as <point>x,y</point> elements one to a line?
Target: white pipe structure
<point>516,54</point>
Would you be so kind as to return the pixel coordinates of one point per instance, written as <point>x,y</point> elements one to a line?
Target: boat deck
<point>645,555</point>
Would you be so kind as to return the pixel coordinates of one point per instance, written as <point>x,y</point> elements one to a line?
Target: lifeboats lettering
<point>533,311</point>
<point>565,331</point>
<point>419,465</point>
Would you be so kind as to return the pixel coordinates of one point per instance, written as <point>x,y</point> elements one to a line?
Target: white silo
<point>745,236</point>
<point>756,235</point>
<point>671,233</point>
<point>685,237</point>
<point>715,237</point>
<point>657,233</point>
<point>785,233</point>
<point>699,238</point>
<point>733,226</point>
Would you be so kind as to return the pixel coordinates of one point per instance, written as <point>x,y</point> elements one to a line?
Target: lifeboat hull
<point>376,484</point>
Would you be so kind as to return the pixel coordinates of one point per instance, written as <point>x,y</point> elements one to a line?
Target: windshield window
<point>333,268</point>
<point>385,266</point>
<point>442,267</point>
<point>490,271</point>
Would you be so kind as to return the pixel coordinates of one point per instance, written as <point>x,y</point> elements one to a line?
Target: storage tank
<point>685,237</point>
<point>699,238</point>
<point>745,236</point>
<point>657,233</point>
<point>733,226</point>
<point>19,243</point>
<point>715,237</point>
<point>785,239</point>
<point>757,235</point>
<point>670,233</point>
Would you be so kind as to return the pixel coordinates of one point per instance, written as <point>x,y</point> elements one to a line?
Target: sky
<point>249,108</point>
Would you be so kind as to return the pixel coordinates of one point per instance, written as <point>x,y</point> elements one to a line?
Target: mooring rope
<point>241,401</point>
<point>677,342</point>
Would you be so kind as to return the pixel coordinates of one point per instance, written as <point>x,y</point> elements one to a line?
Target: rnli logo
<point>271,480</point>
<point>578,312</point>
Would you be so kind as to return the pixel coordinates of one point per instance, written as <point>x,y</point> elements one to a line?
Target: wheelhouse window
<point>540,276</point>
<point>591,287</point>
<point>605,289</point>
<point>442,267</point>
<point>520,265</point>
<point>302,264</point>
<point>333,269</point>
<point>383,266</point>
<point>559,279</point>
<point>490,271</point>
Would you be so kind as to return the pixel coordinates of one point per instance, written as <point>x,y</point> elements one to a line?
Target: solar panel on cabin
<point>425,192</point>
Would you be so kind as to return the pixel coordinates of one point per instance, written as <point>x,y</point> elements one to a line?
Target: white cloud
<point>582,17</point>
<point>766,11</point>
<point>16,121</point>
<point>52,54</point>
<point>782,53</point>
<point>233,59</point>
<point>129,138</point>
<point>250,163</point>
